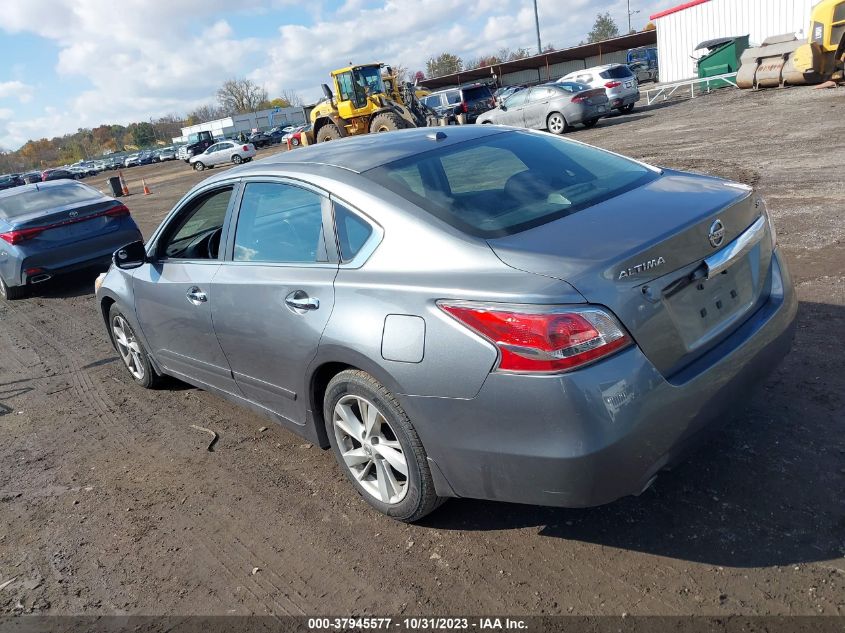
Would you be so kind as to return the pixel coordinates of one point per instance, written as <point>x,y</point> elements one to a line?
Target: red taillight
<point>579,98</point>
<point>613,84</point>
<point>246,148</point>
<point>118,211</point>
<point>20,235</point>
<point>542,339</point>
<point>464,107</point>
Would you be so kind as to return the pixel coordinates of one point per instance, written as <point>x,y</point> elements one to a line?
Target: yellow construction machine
<point>367,99</point>
<point>785,60</point>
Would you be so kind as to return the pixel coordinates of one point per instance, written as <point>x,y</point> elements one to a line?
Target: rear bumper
<point>603,432</point>
<point>622,100</point>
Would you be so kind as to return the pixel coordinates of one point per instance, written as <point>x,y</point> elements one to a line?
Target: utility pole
<point>630,13</point>
<point>537,24</point>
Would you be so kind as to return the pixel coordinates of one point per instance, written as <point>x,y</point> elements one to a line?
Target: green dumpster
<point>721,57</point>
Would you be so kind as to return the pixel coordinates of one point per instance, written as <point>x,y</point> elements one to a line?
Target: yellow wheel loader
<point>785,60</point>
<point>367,99</point>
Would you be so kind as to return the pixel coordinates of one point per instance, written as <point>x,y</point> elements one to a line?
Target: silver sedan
<point>223,152</point>
<point>472,311</point>
<point>553,107</point>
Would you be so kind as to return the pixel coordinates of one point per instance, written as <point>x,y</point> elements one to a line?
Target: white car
<point>223,152</point>
<point>619,82</point>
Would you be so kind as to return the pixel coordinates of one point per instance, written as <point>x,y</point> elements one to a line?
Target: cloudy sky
<point>79,63</point>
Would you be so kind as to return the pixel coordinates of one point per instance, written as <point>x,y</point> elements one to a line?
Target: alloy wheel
<point>556,123</point>
<point>128,347</point>
<point>370,449</point>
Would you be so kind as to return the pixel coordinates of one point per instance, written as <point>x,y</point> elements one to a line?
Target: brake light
<point>464,107</point>
<point>20,235</point>
<point>613,84</point>
<point>246,148</point>
<point>542,339</point>
<point>579,98</point>
<point>118,211</point>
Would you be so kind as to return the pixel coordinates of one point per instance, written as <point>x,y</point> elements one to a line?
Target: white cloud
<point>17,89</point>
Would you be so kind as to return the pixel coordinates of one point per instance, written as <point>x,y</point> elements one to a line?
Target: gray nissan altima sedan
<point>477,311</point>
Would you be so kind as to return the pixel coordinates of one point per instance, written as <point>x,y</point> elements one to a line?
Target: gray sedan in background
<point>56,227</point>
<point>473,311</point>
<point>553,107</point>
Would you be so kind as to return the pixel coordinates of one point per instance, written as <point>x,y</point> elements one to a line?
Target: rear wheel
<point>591,123</point>
<point>386,122</point>
<point>627,108</point>
<point>199,166</point>
<point>294,142</point>
<point>131,351</point>
<point>329,132</point>
<point>10,293</point>
<point>377,447</point>
<point>556,123</point>
<point>237,159</point>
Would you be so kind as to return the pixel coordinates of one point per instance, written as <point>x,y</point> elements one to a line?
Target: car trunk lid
<point>642,254</point>
<point>71,222</point>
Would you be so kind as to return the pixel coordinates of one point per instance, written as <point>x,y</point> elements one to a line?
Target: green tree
<point>604,28</point>
<point>443,64</point>
<point>143,134</point>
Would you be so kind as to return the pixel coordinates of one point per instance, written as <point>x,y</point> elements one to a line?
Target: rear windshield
<point>617,72</point>
<point>477,93</point>
<point>506,183</point>
<point>28,201</point>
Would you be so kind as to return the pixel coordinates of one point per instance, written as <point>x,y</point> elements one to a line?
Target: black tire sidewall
<point>352,383</point>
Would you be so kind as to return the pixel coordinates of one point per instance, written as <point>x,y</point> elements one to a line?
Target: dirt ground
<point>109,502</point>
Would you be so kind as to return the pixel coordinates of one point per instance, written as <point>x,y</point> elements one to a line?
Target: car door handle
<point>299,300</point>
<point>196,296</point>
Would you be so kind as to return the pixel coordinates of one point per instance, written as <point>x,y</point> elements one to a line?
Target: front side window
<point>509,182</point>
<point>517,99</point>
<point>280,223</point>
<point>195,233</point>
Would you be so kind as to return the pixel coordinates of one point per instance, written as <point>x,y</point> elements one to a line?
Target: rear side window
<point>571,86</point>
<point>617,72</point>
<point>352,231</point>
<point>509,182</point>
<point>453,97</point>
<point>281,224</point>
<point>35,200</point>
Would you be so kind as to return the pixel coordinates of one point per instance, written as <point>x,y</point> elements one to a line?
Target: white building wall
<point>678,33</point>
<point>246,122</point>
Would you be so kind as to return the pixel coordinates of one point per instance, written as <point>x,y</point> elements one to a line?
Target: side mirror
<point>328,92</point>
<point>503,107</point>
<point>130,256</point>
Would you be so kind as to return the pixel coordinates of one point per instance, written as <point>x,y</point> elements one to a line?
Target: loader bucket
<point>780,60</point>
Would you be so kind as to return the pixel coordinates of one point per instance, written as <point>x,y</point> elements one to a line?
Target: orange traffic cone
<point>146,188</point>
<point>123,182</point>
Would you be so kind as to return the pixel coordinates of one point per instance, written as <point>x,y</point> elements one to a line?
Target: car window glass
<point>352,231</point>
<point>409,177</point>
<point>36,200</point>
<point>617,72</point>
<point>344,84</point>
<point>516,99</point>
<point>477,93</point>
<point>213,148</point>
<point>432,101</point>
<point>482,168</point>
<point>280,223</point>
<point>195,233</point>
<point>453,97</point>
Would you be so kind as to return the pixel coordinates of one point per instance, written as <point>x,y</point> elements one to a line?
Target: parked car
<point>145,158</point>
<point>565,336</point>
<point>197,143</point>
<point>503,93</point>
<point>623,90</point>
<point>295,135</point>
<point>469,100</point>
<point>643,73</point>
<point>8,181</point>
<point>260,139</point>
<point>224,152</point>
<point>56,227</point>
<point>553,107</point>
<point>167,153</point>
<point>31,177</point>
<point>60,173</point>
<point>132,160</point>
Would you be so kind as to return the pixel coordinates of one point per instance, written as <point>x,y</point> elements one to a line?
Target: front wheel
<point>199,166</point>
<point>131,351</point>
<point>377,447</point>
<point>386,122</point>
<point>237,159</point>
<point>556,123</point>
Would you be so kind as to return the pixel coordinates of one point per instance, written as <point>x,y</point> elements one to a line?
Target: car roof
<point>367,151</point>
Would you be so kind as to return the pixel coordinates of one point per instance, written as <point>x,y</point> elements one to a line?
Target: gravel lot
<point>109,502</point>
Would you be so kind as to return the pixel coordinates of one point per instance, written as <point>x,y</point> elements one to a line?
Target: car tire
<point>378,479</point>
<point>386,122</point>
<point>329,132</point>
<point>556,123</point>
<point>10,293</point>
<point>237,159</point>
<point>627,108</point>
<point>199,166</point>
<point>294,142</point>
<point>591,123</point>
<point>131,351</point>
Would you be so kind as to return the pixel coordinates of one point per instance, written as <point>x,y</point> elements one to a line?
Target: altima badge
<point>634,270</point>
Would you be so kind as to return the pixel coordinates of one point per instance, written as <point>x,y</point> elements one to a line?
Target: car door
<point>222,152</point>
<point>512,112</point>
<point>174,294</point>
<point>536,107</point>
<point>207,157</point>
<point>275,291</point>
